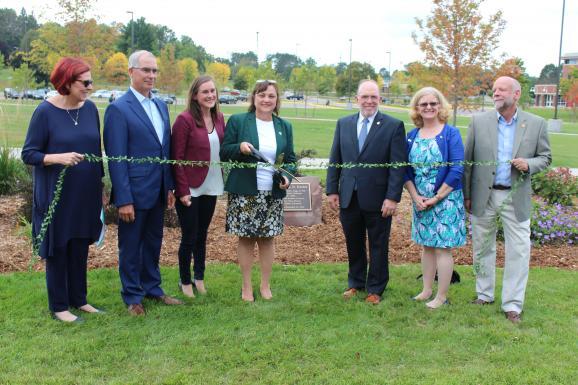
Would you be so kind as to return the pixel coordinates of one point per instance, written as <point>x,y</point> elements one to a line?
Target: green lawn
<point>306,335</point>
<point>313,128</point>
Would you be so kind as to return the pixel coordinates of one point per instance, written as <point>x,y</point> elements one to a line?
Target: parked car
<point>227,99</point>
<point>295,97</point>
<point>101,94</point>
<point>243,96</point>
<point>168,99</point>
<point>11,93</point>
<point>37,94</point>
<point>50,94</point>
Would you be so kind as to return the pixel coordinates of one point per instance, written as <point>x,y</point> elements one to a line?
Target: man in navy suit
<point>367,197</point>
<point>137,125</point>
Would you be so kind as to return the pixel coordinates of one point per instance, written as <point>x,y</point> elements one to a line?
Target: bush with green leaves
<point>13,173</point>
<point>556,185</point>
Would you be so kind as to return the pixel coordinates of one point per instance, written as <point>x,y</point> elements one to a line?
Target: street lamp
<point>349,85</point>
<point>559,64</point>
<point>131,31</point>
<point>257,53</point>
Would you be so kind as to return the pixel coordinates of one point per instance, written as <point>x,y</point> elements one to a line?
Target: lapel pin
<point>280,133</point>
<point>378,123</point>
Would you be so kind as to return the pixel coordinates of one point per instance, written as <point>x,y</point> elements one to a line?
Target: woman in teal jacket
<point>256,191</point>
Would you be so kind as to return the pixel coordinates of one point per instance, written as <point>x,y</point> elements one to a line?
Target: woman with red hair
<point>61,130</point>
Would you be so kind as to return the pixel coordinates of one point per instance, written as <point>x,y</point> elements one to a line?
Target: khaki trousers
<point>517,258</point>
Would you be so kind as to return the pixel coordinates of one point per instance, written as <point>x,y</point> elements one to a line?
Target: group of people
<point>136,125</point>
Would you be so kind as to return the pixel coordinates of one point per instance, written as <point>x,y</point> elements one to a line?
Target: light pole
<point>257,53</point>
<point>389,74</point>
<point>349,85</point>
<point>559,63</point>
<point>131,30</point>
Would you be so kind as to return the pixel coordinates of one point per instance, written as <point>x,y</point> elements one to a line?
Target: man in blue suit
<point>367,197</point>
<point>137,125</point>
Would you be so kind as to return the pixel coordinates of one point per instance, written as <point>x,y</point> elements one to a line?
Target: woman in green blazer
<point>255,191</point>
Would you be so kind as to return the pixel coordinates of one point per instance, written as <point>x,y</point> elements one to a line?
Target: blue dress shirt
<point>152,112</point>
<point>506,132</point>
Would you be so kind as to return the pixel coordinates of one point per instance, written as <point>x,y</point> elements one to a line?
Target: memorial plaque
<point>298,197</point>
<point>303,202</point>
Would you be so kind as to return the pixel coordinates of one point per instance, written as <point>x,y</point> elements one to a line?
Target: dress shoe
<point>77,320</point>
<point>167,300</point>
<point>373,299</point>
<point>479,301</point>
<point>187,292</point>
<point>513,317</point>
<point>136,309</point>
<point>350,293</point>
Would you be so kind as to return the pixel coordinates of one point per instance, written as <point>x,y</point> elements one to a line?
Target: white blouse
<point>267,147</point>
<point>213,183</point>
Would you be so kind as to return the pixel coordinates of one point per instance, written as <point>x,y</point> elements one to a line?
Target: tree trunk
<point>455,107</point>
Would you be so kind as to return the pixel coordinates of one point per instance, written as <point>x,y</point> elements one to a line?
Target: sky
<point>380,30</point>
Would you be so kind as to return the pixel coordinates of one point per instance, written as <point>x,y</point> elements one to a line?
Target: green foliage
<point>306,335</point>
<point>23,78</point>
<point>243,77</point>
<point>13,173</point>
<point>359,71</point>
<point>284,63</point>
<point>556,185</point>
<point>553,224</point>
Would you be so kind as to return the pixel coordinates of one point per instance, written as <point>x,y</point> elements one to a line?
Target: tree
<point>220,72</point>
<point>244,59</point>
<point>455,39</point>
<point>13,29</point>
<point>150,37</point>
<point>170,77</point>
<point>244,77</point>
<point>569,88</point>
<point>326,79</point>
<point>359,71</point>
<point>549,74</point>
<point>23,78</point>
<point>115,69</point>
<point>186,48</point>
<point>189,69</point>
<point>514,68</point>
<point>75,10</point>
<point>283,63</point>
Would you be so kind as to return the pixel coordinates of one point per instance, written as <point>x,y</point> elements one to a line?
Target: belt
<point>500,187</point>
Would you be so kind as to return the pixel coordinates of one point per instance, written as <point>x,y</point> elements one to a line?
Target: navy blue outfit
<point>128,131</point>
<point>76,222</point>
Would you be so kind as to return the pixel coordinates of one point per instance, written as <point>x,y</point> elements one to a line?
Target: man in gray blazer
<point>518,141</point>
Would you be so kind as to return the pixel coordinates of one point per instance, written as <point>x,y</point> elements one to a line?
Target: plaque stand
<point>302,205</point>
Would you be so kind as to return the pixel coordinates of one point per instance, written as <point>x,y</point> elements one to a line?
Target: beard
<point>503,105</point>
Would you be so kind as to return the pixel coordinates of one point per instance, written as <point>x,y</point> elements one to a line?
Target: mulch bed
<point>297,245</point>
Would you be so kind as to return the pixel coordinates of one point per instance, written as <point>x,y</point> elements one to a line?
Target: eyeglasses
<point>431,104</point>
<point>85,83</point>
<point>266,80</point>
<point>147,70</point>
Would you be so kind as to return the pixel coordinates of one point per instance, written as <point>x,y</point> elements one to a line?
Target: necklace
<point>74,120</point>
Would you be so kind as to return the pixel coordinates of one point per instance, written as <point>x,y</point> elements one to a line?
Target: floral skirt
<point>252,216</point>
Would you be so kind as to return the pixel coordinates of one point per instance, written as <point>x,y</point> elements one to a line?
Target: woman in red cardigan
<point>197,135</point>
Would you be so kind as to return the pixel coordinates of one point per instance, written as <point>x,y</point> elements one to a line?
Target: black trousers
<point>66,275</point>
<point>357,225</point>
<point>194,221</point>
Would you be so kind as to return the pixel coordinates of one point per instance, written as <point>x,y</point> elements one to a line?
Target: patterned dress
<point>443,225</point>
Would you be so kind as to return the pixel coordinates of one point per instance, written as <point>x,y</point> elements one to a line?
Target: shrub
<point>13,173</point>
<point>556,185</point>
<point>551,224</point>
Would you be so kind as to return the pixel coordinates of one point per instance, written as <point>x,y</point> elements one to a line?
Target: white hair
<point>134,58</point>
